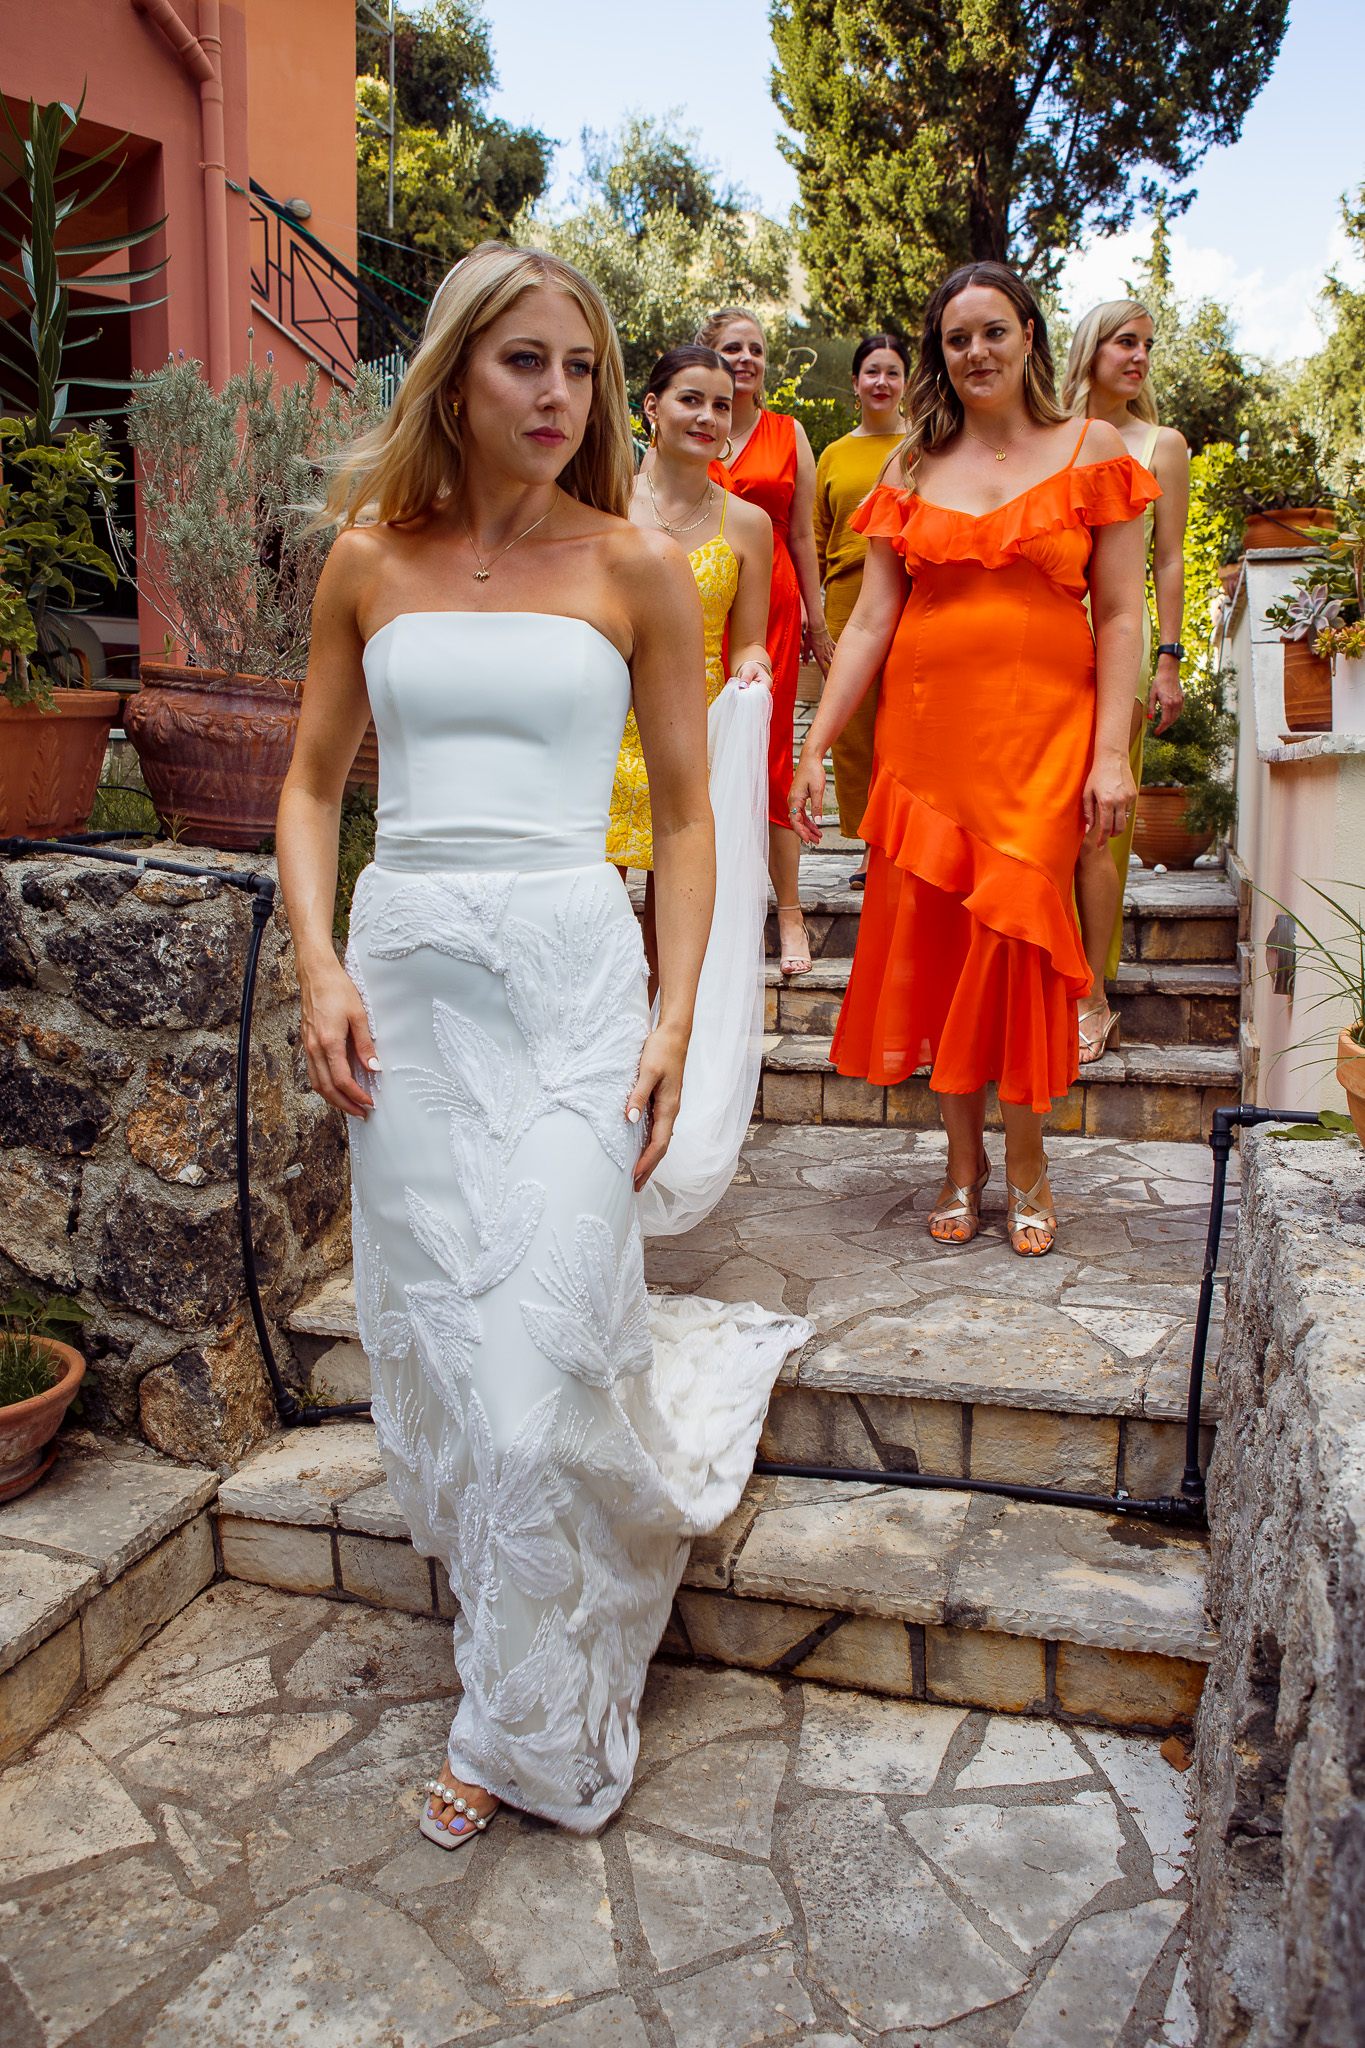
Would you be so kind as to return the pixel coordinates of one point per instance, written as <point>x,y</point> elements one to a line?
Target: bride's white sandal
<point>465,1823</point>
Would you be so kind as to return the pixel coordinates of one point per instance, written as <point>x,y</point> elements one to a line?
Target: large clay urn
<point>28,1427</point>
<point>215,749</point>
<point>1159,834</point>
<point>50,761</point>
<point>1286,528</point>
<point>1351,1074</point>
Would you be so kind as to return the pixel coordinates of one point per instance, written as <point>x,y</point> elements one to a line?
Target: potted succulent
<point>52,739</point>
<point>1302,619</point>
<point>39,1379</point>
<point>1186,800</point>
<point>228,485</point>
<point>1340,560</point>
<point>1276,494</point>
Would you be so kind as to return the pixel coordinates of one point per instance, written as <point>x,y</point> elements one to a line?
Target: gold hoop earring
<point>728,450</point>
<point>1028,374</point>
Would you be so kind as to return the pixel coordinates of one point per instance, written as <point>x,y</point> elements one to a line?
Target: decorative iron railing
<point>300,284</point>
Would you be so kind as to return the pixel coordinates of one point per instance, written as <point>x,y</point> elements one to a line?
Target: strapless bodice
<point>498,735</point>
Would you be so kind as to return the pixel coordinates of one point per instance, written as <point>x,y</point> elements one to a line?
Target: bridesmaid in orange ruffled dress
<point>1001,736</point>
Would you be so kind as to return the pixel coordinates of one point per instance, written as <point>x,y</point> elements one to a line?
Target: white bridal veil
<point>724,1057</point>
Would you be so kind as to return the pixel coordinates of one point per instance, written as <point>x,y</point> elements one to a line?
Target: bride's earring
<point>455,408</point>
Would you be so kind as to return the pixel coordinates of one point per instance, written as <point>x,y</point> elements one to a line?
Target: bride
<point>551,1435</point>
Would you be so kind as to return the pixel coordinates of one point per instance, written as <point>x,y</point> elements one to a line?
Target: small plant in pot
<point>1186,798</point>
<point>1275,494</point>
<point>1340,640</point>
<point>229,483</point>
<point>1339,963</point>
<point>39,1379</point>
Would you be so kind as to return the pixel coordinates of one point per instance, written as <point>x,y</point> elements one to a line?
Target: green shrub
<point>355,850</point>
<point>27,1368</point>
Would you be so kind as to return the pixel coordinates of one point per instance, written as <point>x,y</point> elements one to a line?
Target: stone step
<point>944,1596</point>
<point>1187,1003</point>
<point>1186,917</point>
<point>1143,1091</point>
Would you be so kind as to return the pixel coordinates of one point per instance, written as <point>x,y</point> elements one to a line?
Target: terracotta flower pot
<point>215,749</point>
<point>1351,1074</point>
<point>1284,529</point>
<point>1159,834</point>
<point>50,761</point>
<point>28,1427</point>
<point>1307,688</point>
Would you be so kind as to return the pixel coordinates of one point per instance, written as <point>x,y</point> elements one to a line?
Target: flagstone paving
<point>219,1851</point>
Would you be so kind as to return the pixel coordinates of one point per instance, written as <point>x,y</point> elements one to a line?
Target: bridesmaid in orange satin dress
<point>1001,737</point>
<point>772,465</point>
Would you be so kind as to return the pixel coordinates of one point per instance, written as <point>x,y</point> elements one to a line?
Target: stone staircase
<point>1178,993</point>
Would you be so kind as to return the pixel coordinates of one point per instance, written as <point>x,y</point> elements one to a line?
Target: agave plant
<point>40,201</point>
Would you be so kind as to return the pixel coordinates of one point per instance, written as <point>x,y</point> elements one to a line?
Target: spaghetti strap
<point>724,503</point>
<point>1149,445</point>
<point>1077,449</point>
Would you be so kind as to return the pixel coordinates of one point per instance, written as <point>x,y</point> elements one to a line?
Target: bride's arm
<point>668,670</point>
<point>331,721</point>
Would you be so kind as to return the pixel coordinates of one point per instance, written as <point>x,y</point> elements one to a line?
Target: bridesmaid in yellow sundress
<point>687,408</point>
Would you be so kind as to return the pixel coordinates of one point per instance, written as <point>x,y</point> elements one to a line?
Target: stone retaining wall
<point>1278,1947</point>
<point>118,1019</point>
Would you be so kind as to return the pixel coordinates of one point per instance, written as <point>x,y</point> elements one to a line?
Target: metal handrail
<point>306,287</point>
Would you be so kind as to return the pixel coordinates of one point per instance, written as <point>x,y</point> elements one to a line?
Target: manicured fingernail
<point>632,1114</point>
<point>374,1066</point>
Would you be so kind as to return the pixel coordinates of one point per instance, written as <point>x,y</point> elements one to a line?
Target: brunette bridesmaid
<point>847,470</point>
<point>771,464</point>
<point>1002,735</point>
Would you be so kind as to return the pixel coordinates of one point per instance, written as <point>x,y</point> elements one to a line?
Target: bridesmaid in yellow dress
<point>688,405</point>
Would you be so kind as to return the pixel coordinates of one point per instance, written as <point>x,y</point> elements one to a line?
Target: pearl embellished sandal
<point>465,1822</point>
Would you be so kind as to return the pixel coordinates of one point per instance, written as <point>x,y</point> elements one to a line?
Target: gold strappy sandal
<point>960,1210</point>
<point>1039,1219</point>
<point>1095,1044</point>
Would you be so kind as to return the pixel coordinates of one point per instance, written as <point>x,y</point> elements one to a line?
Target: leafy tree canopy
<point>926,133</point>
<point>1199,378</point>
<point>1331,387</point>
<point>664,243</point>
<point>459,177</point>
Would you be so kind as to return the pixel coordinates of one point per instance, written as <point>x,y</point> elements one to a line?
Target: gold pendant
<point>481,575</point>
<point>1000,455</point>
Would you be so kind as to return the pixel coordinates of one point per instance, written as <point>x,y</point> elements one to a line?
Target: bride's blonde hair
<point>1101,324</point>
<point>402,468</point>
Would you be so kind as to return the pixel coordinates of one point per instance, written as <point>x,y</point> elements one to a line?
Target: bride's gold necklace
<point>480,574</point>
<point>707,500</point>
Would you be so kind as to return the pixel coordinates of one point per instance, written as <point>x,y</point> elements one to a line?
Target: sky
<point>1262,232</point>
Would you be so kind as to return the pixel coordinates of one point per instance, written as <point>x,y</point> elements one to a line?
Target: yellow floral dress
<point>630,835</point>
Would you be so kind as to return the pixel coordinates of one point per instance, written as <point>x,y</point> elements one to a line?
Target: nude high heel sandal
<point>794,963</point>
<point>1095,1044</point>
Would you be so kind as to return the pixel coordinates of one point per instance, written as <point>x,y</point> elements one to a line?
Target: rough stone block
<point>791,1098</point>
<point>37,1594</point>
<point>266,1554</point>
<point>848,1100</point>
<point>1126,1689</point>
<point>1032,1447</point>
<point>1067,1116</point>
<point>1156,1019</point>
<point>51,1112</point>
<point>37,1689</point>
<point>329,1311</point>
<point>929,1433</point>
<point>841,936</point>
<point>1152,1110</point>
<point>1213,1020</point>
<point>342,1373</point>
<point>300,1477</point>
<point>752,1633</point>
<point>322,1184</point>
<point>374,1513</point>
<point>980,1668</point>
<point>178,1264</point>
<point>712,1557</point>
<point>1187,938</point>
<point>1072,1575</point>
<point>912,1104</point>
<point>863,1549</point>
<point>211,1405</point>
<point>447,1606</point>
<point>122,1618</point>
<point>39,1202</point>
<point>805,1428</point>
<point>868,1653</point>
<point>183,1125</point>
<point>1213,1099</point>
<point>105,1510</point>
<point>808,1010</point>
<point>770,1009</point>
<point>1154,1457</point>
<point>385,1573</point>
<point>153,969</point>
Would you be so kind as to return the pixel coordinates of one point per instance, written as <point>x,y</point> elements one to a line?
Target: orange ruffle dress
<point>969,956</point>
<point>764,473</point>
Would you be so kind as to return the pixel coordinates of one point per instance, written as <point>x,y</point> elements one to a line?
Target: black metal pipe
<point>1168,1508</point>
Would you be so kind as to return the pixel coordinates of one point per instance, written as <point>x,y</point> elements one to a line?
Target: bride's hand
<point>806,805</point>
<point>657,1093</point>
<point>1109,795</point>
<point>335,1030</point>
<point>752,673</point>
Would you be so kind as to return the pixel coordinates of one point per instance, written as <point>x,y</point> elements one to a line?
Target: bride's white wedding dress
<point>552,1435</point>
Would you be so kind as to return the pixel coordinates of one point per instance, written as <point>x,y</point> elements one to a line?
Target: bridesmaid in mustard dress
<point>687,408</point>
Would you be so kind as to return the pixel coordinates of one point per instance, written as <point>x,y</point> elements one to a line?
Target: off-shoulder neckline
<point>955,512</point>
